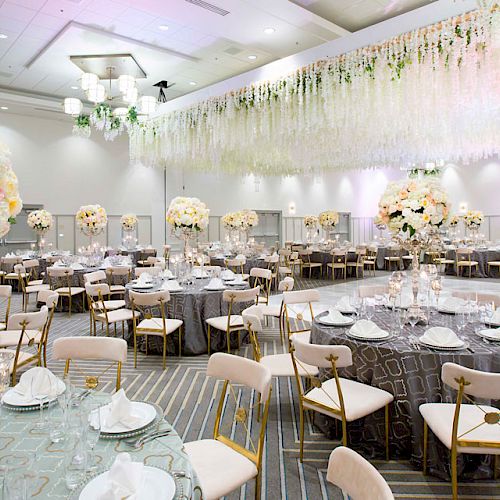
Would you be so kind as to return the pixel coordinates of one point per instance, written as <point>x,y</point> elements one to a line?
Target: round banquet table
<point>47,476</point>
<point>413,376</point>
<point>250,263</point>
<point>135,255</point>
<point>482,257</point>
<point>193,305</point>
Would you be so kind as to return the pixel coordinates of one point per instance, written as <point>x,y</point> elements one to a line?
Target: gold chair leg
<point>228,341</point>
<point>258,485</point>
<point>424,459</point>
<point>301,434</point>
<point>164,351</point>
<point>135,351</point>
<point>454,479</point>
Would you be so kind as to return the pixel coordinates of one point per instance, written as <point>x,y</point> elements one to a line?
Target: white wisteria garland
<point>429,93</point>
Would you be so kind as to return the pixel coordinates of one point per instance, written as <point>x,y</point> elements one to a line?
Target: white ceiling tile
<point>62,8</point>
<point>107,8</point>
<point>173,27</point>
<point>136,17</point>
<point>17,12</point>
<point>48,21</point>
<point>95,19</point>
<point>13,25</point>
<point>40,33</point>
<point>124,29</point>
<point>31,4</point>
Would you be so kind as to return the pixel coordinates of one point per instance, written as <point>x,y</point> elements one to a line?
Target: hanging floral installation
<point>429,93</point>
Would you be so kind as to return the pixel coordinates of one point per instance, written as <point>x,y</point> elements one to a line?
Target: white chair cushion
<point>284,270</point>
<point>75,290</point>
<point>220,322</point>
<point>36,288</point>
<point>118,315</point>
<point>110,305</point>
<point>155,325</point>
<point>35,282</point>
<point>117,288</point>
<point>281,365</point>
<point>219,468</point>
<point>12,276</point>
<point>10,338</point>
<point>270,310</point>
<point>359,399</point>
<point>3,326</point>
<point>467,263</point>
<point>439,417</point>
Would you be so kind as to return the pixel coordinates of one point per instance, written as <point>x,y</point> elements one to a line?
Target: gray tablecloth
<point>383,252</point>
<point>193,306</point>
<point>413,377</point>
<point>482,257</point>
<point>135,255</point>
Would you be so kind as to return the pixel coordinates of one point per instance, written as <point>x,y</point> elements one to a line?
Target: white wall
<point>63,172</point>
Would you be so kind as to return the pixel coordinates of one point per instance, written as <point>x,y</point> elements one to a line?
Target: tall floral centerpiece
<point>453,223</point>
<point>10,201</point>
<point>91,220</point>
<point>413,210</point>
<point>249,219</point>
<point>310,223</point>
<point>129,223</point>
<point>187,216</point>
<point>40,221</point>
<point>473,220</point>
<point>328,220</point>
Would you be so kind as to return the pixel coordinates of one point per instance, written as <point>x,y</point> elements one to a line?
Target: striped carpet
<point>189,400</point>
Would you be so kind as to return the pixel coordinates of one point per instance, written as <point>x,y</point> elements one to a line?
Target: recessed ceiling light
<point>74,87</point>
<point>269,31</point>
<point>163,27</point>
<point>3,35</point>
<point>252,57</point>
<point>192,83</point>
<point>4,107</point>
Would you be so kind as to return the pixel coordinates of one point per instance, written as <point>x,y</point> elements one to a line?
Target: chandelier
<point>132,110</point>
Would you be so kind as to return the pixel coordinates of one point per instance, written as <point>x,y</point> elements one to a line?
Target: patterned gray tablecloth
<point>17,435</point>
<point>482,257</point>
<point>249,264</point>
<point>193,306</point>
<point>414,377</point>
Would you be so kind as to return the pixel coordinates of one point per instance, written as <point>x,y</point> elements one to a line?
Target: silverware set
<point>414,343</point>
<point>146,438</point>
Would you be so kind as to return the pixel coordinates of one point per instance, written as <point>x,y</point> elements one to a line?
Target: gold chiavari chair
<point>56,274</point>
<point>295,262</point>
<point>71,349</point>
<point>346,467</point>
<point>463,259</point>
<point>232,322</point>
<point>298,311</point>
<point>115,273</point>
<point>159,326</point>
<point>17,276</point>
<point>32,267</point>
<point>5,297</point>
<point>237,265</point>
<point>28,290</point>
<point>465,427</point>
<point>144,257</point>
<point>262,278</point>
<point>393,259</point>
<point>370,259</point>
<point>339,262</point>
<point>273,263</point>
<point>357,264</point>
<point>305,257</point>
<point>241,462</point>
<point>493,263</point>
<point>342,399</point>
<point>24,330</point>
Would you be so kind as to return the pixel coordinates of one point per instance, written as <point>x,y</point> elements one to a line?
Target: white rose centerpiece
<point>91,219</point>
<point>40,221</point>
<point>454,220</point>
<point>10,201</point>
<point>128,222</point>
<point>473,219</point>
<point>311,221</point>
<point>328,219</point>
<point>249,219</point>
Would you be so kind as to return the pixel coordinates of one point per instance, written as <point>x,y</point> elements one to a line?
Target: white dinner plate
<point>13,398</point>
<point>346,311</point>
<point>446,311</point>
<point>146,286</point>
<point>490,334</point>
<point>157,484</point>
<point>145,412</point>
<point>215,289</point>
<point>491,323</point>
<point>325,320</point>
<point>227,278</point>
<point>433,345</point>
<point>383,335</point>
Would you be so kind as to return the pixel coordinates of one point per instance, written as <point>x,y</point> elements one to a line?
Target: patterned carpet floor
<point>189,400</point>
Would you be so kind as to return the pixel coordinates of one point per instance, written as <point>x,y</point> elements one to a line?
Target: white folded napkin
<point>451,304</point>
<point>491,333</point>
<point>240,256</point>
<point>76,266</point>
<point>215,283</point>
<point>144,278</point>
<point>124,479</point>
<point>335,316</point>
<point>39,381</point>
<point>344,304</point>
<point>368,329</point>
<point>58,263</point>
<point>171,285</point>
<point>227,274</point>
<point>495,318</point>
<point>167,273</point>
<point>121,411</point>
<point>442,337</point>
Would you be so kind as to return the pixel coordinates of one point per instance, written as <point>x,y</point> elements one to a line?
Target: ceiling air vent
<point>209,6</point>
<point>232,51</point>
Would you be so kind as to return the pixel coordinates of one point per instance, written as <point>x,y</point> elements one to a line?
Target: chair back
<point>32,266</point>
<point>97,290</point>
<point>250,374</point>
<point>236,265</point>
<point>252,319</point>
<point>30,320</point>
<point>241,295</point>
<point>372,290</point>
<point>263,279</point>
<point>463,255</point>
<point>149,299</point>
<point>120,271</point>
<point>91,348</point>
<point>296,304</point>
<point>49,297</point>
<point>286,284</point>
<point>94,277</point>
<point>355,476</point>
<point>483,385</point>
<point>6,294</point>
<point>152,271</point>
<point>60,272</point>
<point>339,258</point>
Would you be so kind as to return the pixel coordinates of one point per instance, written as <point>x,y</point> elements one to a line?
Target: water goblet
<point>94,425</point>
<point>370,310</point>
<point>42,398</point>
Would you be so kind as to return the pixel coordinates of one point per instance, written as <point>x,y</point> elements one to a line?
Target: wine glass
<point>94,425</point>
<point>42,398</point>
<point>461,319</point>
<point>369,310</point>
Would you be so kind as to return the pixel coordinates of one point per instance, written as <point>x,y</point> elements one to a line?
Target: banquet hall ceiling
<point>180,41</point>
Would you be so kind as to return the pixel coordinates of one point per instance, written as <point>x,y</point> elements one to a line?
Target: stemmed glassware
<point>94,425</point>
<point>5,361</point>
<point>42,398</point>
